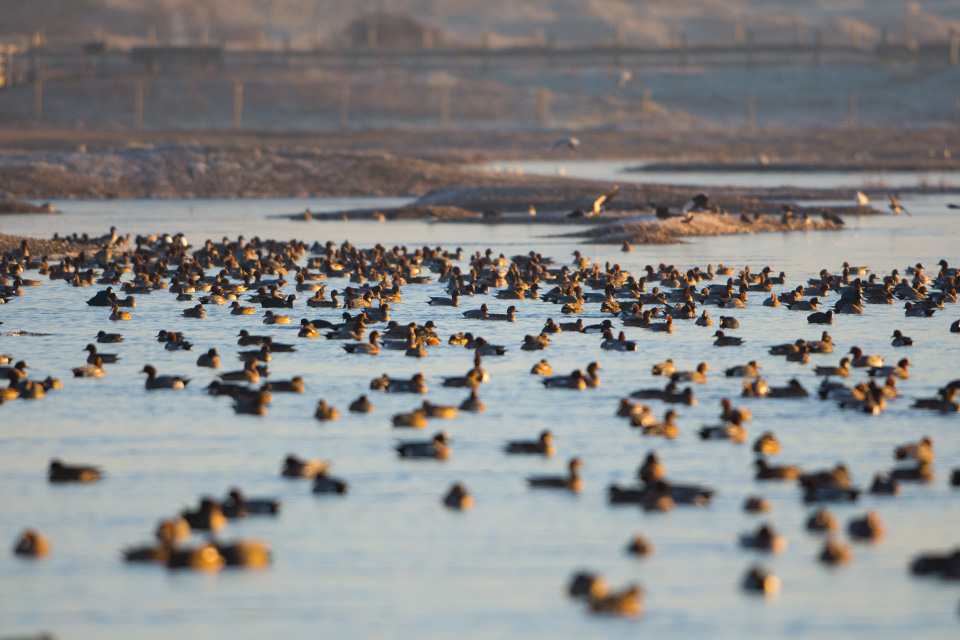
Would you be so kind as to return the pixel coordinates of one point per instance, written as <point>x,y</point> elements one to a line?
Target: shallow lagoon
<point>387,560</point>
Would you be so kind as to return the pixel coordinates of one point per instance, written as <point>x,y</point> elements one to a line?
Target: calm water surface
<point>388,561</point>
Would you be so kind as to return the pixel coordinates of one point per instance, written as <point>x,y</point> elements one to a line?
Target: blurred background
<point>303,65</point>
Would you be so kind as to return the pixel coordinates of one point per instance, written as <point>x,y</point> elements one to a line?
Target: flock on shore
<point>270,280</point>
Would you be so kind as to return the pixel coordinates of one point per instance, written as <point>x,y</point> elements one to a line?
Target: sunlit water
<point>626,171</point>
<point>387,560</point>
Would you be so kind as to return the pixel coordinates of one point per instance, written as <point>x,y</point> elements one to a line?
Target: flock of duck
<point>230,277</point>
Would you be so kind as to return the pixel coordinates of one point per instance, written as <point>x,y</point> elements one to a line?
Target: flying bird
<point>605,198</point>
<point>568,141</point>
<point>895,206</point>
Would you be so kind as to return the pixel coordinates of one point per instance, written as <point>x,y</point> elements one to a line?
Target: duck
<point>325,411</point>
<point>307,330</point>
<point>793,390</point>
<point>452,301</point>
<point>822,520</point>
<point>899,371</point>
<point>208,516</point>
<point>665,368</point>
<point>704,320</point>
<point>617,344</point>
<point>732,431</point>
<point>205,557</point>
<point>591,377</point>
<point>766,471</point>
<point>269,317</point>
<point>804,305</point>
<point>250,373</point>
<point>884,485</point>
<point>436,448</point>
<point>542,368</point>
<point>573,381</point>
<point>766,539</point>
<point>296,467</point>
<point>587,585</point>
<point>698,375</point>
<point>860,360</point>
<point>477,314</point>
<point>766,444</point>
<point>484,348</point>
<point>94,370</point>
<point>116,314</point>
<point>293,385</point>
<point>543,445</point>
<point>729,322</point>
<point>105,358</point>
<point>726,341</point>
<point>361,405</point>
<point>730,414</point>
<point>210,359</point>
<point>246,339</point>
<point>756,504</point>
<point>628,602</point>
<point>458,498</point>
<point>821,317</point>
<point>416,419</point>
<point>869,527</point>
<point>194,312</point>
<point>252,554</point>
<point>155,382</point>
<point>667,428</point>
<point>570,482</point>
<point>473,403</point>
<point>842,370</point>
<point>277,302</point>
<point>237,310</point>
<point>365,348</point>
<point>416,384</point>
<point>238,505</point>
<point>772,301</point>
<point>652,470</point>
<point>324,483</point>
<point>921,451</point>
<point>59,472</point>
<point>900,340</point>
<point>761,581</point>
<point>641,546</point>
<point>33,544</point>
<point>749,370</point>
<point>509,316</point>
<point>108,338</point>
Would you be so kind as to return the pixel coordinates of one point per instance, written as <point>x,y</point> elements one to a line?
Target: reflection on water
<point>619,171</point>
<point>387,560</point>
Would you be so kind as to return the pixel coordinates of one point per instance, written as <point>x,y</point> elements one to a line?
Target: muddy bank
<point>54,248</point>
<point>15,206</point>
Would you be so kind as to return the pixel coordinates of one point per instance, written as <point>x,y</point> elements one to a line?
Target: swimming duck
<point>272,302</point>
<point>762,581</point>
<point>772,301</point>
<point>208,516</point>
<point>804,305</point>
<point>108,338</point>
<point>452,301</point>
<point>729,322</point>
<point>756,504</point>
<point>473,403</point>
<point>749,370</point>
<point>325,411</point>
<point>884,485</point>
<point>194,312</point>
<point>237,310</point>
<point>361,405</point>
<point>766,444</point>
<point>94,370</point>
<point>458,498</point>
<point>245,339</point>
<point>116,314</point>
<point>366,348</point>
<point>667,428</point>
<point>293,385</point>
<point>269,317</point>
<point>205,557</point>
<point>921,451</point>
<point>477,314</point>
<point>542,368</point>
<point>665,368</point>
<point>238,505</point>
<point>628,602</point>
<point>250,373</point>
<point>295,467</point>
<point>323,483</point>
<point>307,330</point>
<point>698,375</point>
<point>731,414</point>
<point>573,381</point>
<point>210,359</point>
<point>869,527</point>
<point>900,340</point>
<point>587,585</point>
<point>542,446</point>
<point>617,344</point>
<point>252,554</point>
<point>732,431</point>
<point>436,448</point>
<point>843,370</point>
<point>835,552</point>
<point>570,482</point>
<point>899,371</point>
<point>415,384</point>
<point>551,327</point>
<point>793,390</point>
<point>765,539</point>
<point>486,349</point>
<point>862,361</point>
<point>652,469</point>
<point>822,520</point>
<point>641,546</point>
<point>767,471</point>
<point>821,317</point>
<point>416,419</point>
<point>509,316</point>
<point>32,543</point>
<point>726,341</point>
<point>105,358</point>
<point>59,472</point>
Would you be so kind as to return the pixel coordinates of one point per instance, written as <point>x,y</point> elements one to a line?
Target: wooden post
<point>751,110</point>
<point>38,97</point>
<point>445,91</point>
<point>853,120</point>
<point>344,104</point>
<point>237,105</point>
<point>138,104</point>
<point>542,106</point>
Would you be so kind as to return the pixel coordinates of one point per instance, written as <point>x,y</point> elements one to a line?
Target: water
<point>388,561</point>
<point>619,171</point>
